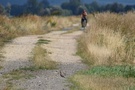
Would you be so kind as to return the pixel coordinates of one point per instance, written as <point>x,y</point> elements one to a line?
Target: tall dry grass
<point>108,45</point>
<point>110,39</point>
<point>31,24</point>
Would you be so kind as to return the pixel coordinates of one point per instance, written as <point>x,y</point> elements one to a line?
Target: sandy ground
<point>63,50</point>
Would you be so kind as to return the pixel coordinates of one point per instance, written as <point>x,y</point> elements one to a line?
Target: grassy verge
<point>108,48</point>
<point>41,59</point>
<point>13,76</point>
<point>91,82</point>
<point>16,75</point>
<point>105,78</point>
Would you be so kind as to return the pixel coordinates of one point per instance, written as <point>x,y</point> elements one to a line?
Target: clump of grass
<point>41,59</point>
<point>9,86</point>
<point>12,76</point>
<point>30,68</point>
<point>112,71</point>
<point>43,41</point>
<point>91,82</point>
<point>1,67</point>
<point>16,75</point>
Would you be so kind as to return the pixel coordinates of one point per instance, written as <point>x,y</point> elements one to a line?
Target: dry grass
<point>110,41</point>
<point>58,23</point>
<point>41,59</point>
<point>16,75</point>
<point>18,26</point>
<point>13,76</point>
<point>87,82</point>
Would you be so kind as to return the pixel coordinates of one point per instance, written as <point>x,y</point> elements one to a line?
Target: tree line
<point>73,7</point>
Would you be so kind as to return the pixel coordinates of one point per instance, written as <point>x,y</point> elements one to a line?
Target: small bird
<point>62,74</point>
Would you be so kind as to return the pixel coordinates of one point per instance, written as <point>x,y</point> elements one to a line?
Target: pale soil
<point>63,50</point>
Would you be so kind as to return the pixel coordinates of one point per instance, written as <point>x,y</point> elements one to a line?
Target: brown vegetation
<point>110,39</point>
<point>109,48</point>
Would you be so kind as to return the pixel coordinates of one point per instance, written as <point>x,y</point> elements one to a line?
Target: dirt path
<point>17,53</point>
<point>63,50</point>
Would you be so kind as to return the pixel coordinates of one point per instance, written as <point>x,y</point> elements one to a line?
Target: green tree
<point>93,7</point>
<point>1,9</point>
<point>44,4</point>
<point>31,7</point>
<point>129,8</point>
<point>66,12</point>
<point>65,5</point>
<point>76,2</point>
<point>8,9</point>
<point>42,7</point>
<point>72,5</point>
<point>117,8</point>
<point>17,10</point>
<point>80,9</point>
<point>56,10</point>
<point>107,7</point>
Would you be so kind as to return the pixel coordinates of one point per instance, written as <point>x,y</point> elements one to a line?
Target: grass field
<point>108,48</point>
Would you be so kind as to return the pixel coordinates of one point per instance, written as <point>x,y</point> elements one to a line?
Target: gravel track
<point>63,50</point>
